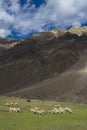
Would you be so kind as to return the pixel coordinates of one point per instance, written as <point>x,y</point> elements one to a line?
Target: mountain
<point>73,30</point>
<point>46,66</point>
<point>6,43</point>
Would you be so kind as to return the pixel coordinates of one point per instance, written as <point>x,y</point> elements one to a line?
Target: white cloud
<point>27,18</point>
<point>4,32</point>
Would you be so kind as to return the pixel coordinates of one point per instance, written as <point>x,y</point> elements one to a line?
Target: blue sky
<point>21,18</point>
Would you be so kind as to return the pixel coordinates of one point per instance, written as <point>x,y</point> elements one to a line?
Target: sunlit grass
<point>25,120</point>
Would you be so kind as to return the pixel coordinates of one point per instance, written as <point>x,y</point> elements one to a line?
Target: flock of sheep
<point>58,109</point>
<point>38,111</point>
<point>13,107</point>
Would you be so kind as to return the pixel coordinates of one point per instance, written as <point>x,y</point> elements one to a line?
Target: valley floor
<point>26,120</point>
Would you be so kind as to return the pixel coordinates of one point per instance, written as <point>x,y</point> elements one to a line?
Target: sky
<point>22,18</point>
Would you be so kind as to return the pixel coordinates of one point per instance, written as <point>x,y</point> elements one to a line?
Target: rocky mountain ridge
<point>7,43</point>
<point>73,30</point>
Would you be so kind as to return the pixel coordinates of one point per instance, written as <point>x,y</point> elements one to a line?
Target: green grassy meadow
<point>26,120</point>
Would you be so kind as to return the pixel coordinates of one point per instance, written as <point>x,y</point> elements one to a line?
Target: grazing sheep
<point>68,110</point>
<point>7,104</point>
<point>54,110</point>
<point>61,110</point>
<point>57,110</point>
<point>18,109</point>
<point>40,112</point>
<point>33,111</point>
<point>43,112</point>
<point>37,111</point>
<point>13,109</point>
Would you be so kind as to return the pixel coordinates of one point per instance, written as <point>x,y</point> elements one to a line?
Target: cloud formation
<point>26,18</point>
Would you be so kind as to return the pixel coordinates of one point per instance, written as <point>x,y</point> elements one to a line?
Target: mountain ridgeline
<point>47,65</point>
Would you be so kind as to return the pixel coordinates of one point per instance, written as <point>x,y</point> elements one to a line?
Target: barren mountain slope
<point>6,43</point>
<point>46,67</point>
<point>71,85</point>
<point>35,60</point>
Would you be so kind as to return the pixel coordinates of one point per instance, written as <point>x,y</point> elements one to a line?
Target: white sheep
<point>7,104</point>
<point>43,112</point>
<point>37,111</point>
<point>54,110</point>
<point>33,110</point>
<point>67,109</point>
<point>57,110</point>
<point>18,109</point>
<point>61,110</point>
<point>13,109</point>
<point>40,112</point>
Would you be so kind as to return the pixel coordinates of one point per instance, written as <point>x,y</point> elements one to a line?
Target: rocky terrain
<point>47,65</point>
<point>7,43</point>
<point>73,30</point>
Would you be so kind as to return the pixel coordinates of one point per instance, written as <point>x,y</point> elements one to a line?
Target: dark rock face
<point>6,43</point>
<point>39,58</point>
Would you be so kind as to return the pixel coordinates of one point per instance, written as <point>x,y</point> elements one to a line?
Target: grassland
<point>26,120</point>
